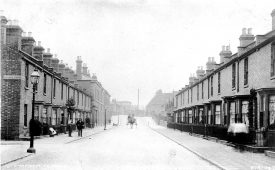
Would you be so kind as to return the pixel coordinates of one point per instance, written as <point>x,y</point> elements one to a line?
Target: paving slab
<point>12,151</point>
<point>226,156</point>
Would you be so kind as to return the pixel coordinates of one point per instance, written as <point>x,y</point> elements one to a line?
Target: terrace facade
<point>241,89</point>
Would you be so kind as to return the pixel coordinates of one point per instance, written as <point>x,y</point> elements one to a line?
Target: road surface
<point>117,148</point>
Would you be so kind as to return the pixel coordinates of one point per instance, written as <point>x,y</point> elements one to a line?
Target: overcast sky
<point>145,44</point>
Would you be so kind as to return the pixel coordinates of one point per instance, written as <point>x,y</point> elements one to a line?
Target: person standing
<point>70,127</point>
<point>79,127</point>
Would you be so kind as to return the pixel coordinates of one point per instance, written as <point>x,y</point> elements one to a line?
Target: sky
<point>139,44</point>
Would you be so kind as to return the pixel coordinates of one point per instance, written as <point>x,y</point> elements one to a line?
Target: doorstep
<point>270,153</point>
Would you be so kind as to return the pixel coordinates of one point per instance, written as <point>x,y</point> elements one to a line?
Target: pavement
<point>221,155</point>
<point>12,151</point>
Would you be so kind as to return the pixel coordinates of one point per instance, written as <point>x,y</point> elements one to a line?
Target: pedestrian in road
<point>70,122</point>
<point>79,125</point>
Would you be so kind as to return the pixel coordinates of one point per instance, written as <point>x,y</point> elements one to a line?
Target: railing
<point>217,131</point>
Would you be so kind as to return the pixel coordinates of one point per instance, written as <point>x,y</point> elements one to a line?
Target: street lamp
<point>34,80</point>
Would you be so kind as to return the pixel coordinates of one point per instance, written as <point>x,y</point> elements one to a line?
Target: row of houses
<point>20,56</point>
<point>239,89</point>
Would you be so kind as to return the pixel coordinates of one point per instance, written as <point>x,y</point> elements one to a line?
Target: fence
<point>217,131</point>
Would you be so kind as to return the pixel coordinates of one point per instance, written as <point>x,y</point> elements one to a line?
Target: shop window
<point>25,115</point>
<point>271,109</point>
<point>245,112</point>
<point>232,111</point>
<point>218,114</point>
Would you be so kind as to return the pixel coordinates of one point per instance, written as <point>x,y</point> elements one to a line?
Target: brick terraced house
<point>239,89</point>
<point>57,83</point>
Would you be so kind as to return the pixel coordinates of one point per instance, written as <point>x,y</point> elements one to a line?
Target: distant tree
<point>70,107</point>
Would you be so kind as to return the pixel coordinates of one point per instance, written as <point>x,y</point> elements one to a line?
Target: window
<point>197,92</point>
<point>190,116</point>
<point>82,100</point>
<point>36,112</point>
<point>188,96</point>
<point>27,75</point>
<point>218,114</point>
<point>238,77</point>
<point>25,115</point>
<point>45,84</point>
<point>68,92</point>
<point>245,71</point>
<point>219,82</point>
<point>211,86</point>
<point>272,109</point>
<point>77,98</point>
<point>54,117</point>
<point>272,73</point>
<point>225,113</point>
<point>54,87</point>
<point>208,81</point>
<point>62,117</point>
<point>232,113</point>
<point>201,115</point>
<point>62,90</point>
<point>191,95</point>
<point>202,93</point>
<point>233,75</point>
<point>209,116</point>
<point>245,112</point>
<point>44,115</point>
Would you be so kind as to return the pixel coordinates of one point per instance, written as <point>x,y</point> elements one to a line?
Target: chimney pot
<point>39,43</point>
<point>29,34</point>
<point>244,31</point>
<point>15,22</point>
<point>223,48</point>
<point>48,50</point>
<point>249,31</point>
<point>23,34</point>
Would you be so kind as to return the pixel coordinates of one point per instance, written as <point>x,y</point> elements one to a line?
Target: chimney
<point>38,51</point>
<point>55,63</point>
<point>246,38</point>
<point>47,58</point>
<point>200,72</point>
<point>13,34</point>
<point>225,54</point>
<point>27,43</point>
<point>71,75</point>
<point>273,19</point>
<point>85,69</point>
<point>79,67</point>
<point>61,68</point>
<point>210,65</point>
<point>3,22</point>
<point>192,79</point>
<point>260,39</point>
<point>67,71</point>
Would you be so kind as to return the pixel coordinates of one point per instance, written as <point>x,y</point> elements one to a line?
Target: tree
<point>70,107</point>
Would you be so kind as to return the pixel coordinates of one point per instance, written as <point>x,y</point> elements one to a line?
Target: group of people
<point>79,126</point>
<point>132,120</point>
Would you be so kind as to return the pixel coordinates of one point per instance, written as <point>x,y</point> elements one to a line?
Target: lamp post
<point>34,80</point>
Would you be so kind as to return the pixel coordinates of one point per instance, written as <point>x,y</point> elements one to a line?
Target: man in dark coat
<point>79,125</point>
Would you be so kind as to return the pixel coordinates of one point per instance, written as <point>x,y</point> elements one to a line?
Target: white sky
<point>145,44</point>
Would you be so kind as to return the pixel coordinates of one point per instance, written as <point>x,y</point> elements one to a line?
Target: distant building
<point>156,107</point>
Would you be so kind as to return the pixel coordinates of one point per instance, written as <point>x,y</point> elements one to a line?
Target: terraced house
<point>241,88</point>
<point>57,83</point>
